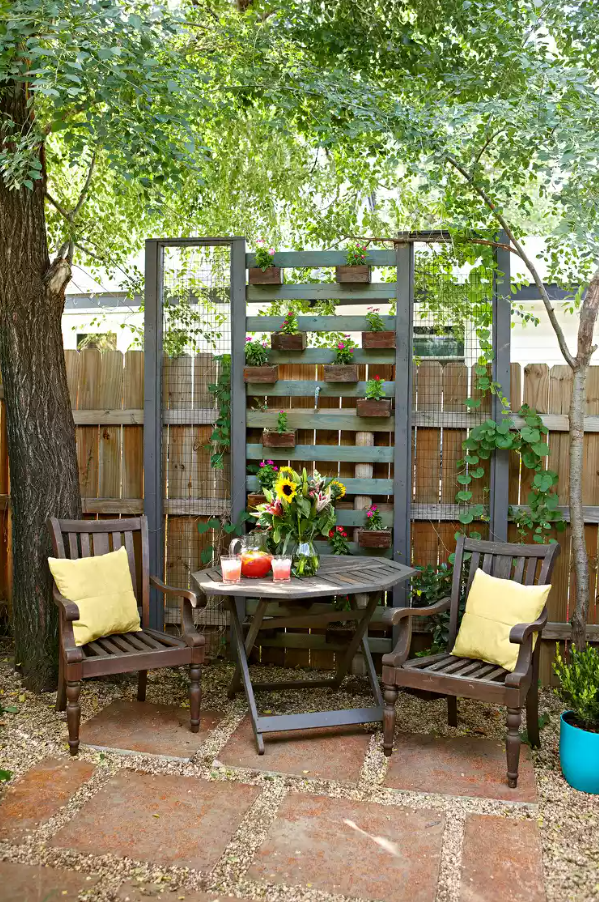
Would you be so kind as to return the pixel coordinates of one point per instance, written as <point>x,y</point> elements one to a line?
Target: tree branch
<point>58,206</point>
<point>561,339</point>
<point>588,318</point>
<point>86,184</point>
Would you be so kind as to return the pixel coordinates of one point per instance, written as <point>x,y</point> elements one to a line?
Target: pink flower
<point>269,462</point>
<point>369,513</point>
<point>340,345</point>
<point>260,242</point>
<point>248,339</point>
<point>276,469</point>
<point>262,464</point>
<point>281,411</point>
<point>271,251</point>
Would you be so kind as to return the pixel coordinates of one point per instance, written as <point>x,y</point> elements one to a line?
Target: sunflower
<point>289,470</point>
<point>285,489</point>
<point>337,489</point>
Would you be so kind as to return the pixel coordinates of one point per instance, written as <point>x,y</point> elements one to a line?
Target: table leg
<point>237,636</point>
<point>370,668</point>
<point>253,631</point>
<point>357,638</point>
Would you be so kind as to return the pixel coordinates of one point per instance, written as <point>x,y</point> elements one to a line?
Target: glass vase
<point>305,559</point>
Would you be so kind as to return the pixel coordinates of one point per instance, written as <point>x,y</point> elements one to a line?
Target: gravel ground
<point>568,820</point>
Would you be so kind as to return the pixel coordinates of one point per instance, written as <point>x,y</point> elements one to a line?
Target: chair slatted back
<point>525,564</point>
<point>85,538</point>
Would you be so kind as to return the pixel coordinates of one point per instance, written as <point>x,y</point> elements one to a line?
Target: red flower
<point>377,378</point>
<point>331,533</point>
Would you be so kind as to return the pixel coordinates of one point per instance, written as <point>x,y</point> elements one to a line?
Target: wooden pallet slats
<point>323,291</point>
<point>340,323</point>
<point>320,259</point>
<point>307,387</point>
<point>347,453</point>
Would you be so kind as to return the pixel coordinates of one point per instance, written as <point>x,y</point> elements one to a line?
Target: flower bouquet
<point>298,509</point>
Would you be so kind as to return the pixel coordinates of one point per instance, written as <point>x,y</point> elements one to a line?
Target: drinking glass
<point>281,567</point>
<point>231,567</point>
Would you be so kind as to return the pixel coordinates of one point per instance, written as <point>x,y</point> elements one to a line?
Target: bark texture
<point>41,433</point>
<point>586,328</point>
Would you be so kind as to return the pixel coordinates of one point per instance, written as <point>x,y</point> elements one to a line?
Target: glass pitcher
<point>255,556</point>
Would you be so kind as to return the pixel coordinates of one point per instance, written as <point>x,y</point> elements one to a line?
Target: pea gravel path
<point>568,820</point>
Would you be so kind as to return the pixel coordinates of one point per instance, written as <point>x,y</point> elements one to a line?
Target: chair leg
<point>452,711</point>
<point>390,696</point>
<point>61,694</point>
<point>73,714</point>
<point>195,696</point>
<point>532,716</point>
<point>142,682</point>
<point>512,745</point>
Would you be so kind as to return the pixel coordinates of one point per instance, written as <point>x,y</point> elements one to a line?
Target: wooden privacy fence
<point>107,397</point>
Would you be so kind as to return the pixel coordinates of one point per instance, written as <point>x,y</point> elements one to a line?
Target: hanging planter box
<point>341,372</point>
<point>339,633</point>
<point>260,373</point>
<point>254,499</point>
<point>374,538</point>
<point>280,341</point>
<point>271,276</point>
<point>378,339</point>
<point>278,439</point>
<point>366,407</point>
<point>352,274</point>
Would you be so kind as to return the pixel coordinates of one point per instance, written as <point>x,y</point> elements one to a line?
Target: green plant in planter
<point>374,320</point>
<point>282,422</point>
<point>290,324</point>
<point>375,390</point>
<point>256,352</point>
<point>579,685</point>
<point>356,255</point>
<point>373,519</point>
<point>344,351</point>
<point>266,473</point>
<point>338,541</point>
<point>264,255</point>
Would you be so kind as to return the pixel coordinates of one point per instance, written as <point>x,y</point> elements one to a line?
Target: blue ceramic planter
<point>579,757</point>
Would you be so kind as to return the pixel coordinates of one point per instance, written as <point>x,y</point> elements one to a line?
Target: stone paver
<point>501,860</point>
<point>461,766</point>
<point>353,848</point>
<point>169,820</point>
<point>335,753</point>
<point>135,892</point>
<point>37,797</point>
<point>28,883</point>
<point>146,727</point>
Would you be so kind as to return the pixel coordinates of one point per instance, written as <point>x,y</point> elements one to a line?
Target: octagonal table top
<point>337,575</point>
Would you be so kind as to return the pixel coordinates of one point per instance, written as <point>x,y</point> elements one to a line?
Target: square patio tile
<point>460,766</point>
<point>334,753</point>
<point>134,726</point>
<point>28,883</point>
<point>40,793</point>
<point>136,892</point>
<point>353,848</point>
<point>501,860</point>
<point>169,820</point>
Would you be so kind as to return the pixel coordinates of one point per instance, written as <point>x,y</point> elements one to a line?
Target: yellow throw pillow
<point>102,589</point>
<point>493,607</point>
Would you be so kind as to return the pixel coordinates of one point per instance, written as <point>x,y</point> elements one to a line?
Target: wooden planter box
<point>278,439</point>
<point>280,341</point>
<point>270,276</point>
<point>339,633</point>
<point>254,499</point>
<point>352,274</point>
<point>378,339</point>
<point>374,538</point>
<point>366,407</point>
<point>341,372</point>
<point>260,373</point>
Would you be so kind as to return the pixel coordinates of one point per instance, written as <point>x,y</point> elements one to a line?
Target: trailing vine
<point>220,440</point>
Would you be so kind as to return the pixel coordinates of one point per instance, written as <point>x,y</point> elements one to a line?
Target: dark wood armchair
<point>122,653</point>
<point>470,678</point>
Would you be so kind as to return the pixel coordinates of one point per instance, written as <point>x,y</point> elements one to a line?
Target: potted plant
<point>373,534</point>
<point>297,510</point>
<point>288,338</point>
<point>256,363</point>
<point>579,726</point>
<point>281,437</point>
<point>266,474</point>
<point>355,269</point>
<point>378,336</point>
<point>344,369</point>
<point>264,272</point>
<point>375,404</point>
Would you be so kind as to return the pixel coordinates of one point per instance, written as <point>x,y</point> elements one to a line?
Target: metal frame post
<point>153,500</point>
<point>500,465</point>
<point>402,466</point>
<point>238,402</point>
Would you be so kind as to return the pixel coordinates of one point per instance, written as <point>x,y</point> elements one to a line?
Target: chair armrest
<point>189,600</point>
<point>521,631</point>
<point>398,614</point>
<point>68,612</point>
<point>69,608</point>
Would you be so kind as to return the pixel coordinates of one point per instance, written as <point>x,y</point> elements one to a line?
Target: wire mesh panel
<point>453,314</point>
<point>196,332</point>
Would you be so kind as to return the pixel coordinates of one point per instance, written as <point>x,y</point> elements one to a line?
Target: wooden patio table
<point>292,604</point>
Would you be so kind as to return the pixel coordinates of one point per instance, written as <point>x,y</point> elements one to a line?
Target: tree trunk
<point>41,433</point>
<point>579,550</point>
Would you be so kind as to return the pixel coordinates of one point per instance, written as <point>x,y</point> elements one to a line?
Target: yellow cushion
<point>102,589</point>
<point>493,607</point>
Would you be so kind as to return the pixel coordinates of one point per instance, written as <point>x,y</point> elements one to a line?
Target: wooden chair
<point>467,677</point>
<point>125,652</point>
